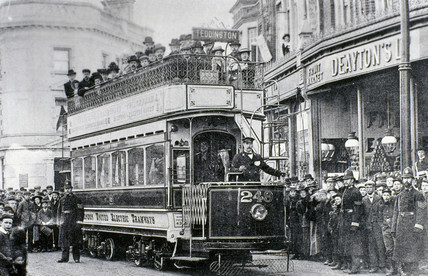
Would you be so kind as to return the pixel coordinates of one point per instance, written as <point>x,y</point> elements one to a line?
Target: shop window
<point>90,172</point>
<point>77,173</point>
<point>61,60</point>
<point>119,168</point>
<point>136,166</point>
<point>155,165</point>
<point>104,170</point>
<point>302,140</point>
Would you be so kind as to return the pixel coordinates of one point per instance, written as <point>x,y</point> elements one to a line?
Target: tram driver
<point>250,163</point>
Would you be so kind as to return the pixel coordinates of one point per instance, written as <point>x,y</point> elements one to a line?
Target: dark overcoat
<point>70,211</point>
<point>85,85</point>
<point>253,167</point>
<point>352,222</point>
<point>407,224</point>
<point>69,88</point>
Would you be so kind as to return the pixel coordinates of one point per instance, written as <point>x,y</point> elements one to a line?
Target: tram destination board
<point>219,35</point>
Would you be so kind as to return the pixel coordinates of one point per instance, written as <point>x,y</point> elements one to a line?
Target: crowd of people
<point>35,220</point>
<point>154,54</point>
<point>376,224</point>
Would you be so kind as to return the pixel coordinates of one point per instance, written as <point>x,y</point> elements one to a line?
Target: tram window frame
<point>141,172</point>
<point>151,178</point>
<point>99,166</point>
<point>122,175</point>
<point>77,179</point>
<point>176,153</point>
<point>92,160</point>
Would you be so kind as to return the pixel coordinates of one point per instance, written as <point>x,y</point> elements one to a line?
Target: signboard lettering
<point>129,218</point>
<point>363,59</point>
<point>215,35</point>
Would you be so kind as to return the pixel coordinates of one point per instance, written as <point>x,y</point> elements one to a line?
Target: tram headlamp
<point>259,212</point>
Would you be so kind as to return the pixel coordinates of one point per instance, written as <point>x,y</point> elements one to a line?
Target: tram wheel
<point>110,249</point>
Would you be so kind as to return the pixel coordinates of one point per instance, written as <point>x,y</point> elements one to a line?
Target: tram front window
<point>155,164</point>
<point>104,171</point>
<point>136,166</point>
<point>90,166</point>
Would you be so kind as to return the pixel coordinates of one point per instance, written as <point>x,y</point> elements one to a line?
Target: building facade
<point>341,76</point>
<point>39,42</point>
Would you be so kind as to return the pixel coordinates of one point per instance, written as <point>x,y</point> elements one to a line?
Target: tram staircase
<point>248,131</point>
<point>194,211</point>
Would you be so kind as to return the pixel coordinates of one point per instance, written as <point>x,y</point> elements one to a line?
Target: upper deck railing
<point>175,69</point>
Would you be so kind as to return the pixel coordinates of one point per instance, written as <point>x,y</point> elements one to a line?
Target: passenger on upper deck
<point>97,79</point>
<point>132,64</point>
<point>148,42</point>
<point>152,56</point>
<point>197,48</point>
<point>217,63</point>
<point>86,83</point>
<point>234,46</point>
<point>71,86</point>
<point>144,60</point>
<point>174,46</point>
<point>159,51</point>
<point>208,46</point>
<point>113,70</point>
<point>104,74</point>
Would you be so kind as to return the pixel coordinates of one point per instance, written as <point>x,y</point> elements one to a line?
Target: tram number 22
<point>248,197</point>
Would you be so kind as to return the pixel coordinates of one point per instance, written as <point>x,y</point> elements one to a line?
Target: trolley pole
<point>404,70</point>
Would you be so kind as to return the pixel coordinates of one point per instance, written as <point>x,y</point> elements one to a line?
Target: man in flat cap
<point>86,83</point>
<point>420,167</point>
<point>372,203</point>
<point>250,163</point>
<point>69,215</point>
<point>159,51</point>
<point>234,46</point>
<point>72,85</point>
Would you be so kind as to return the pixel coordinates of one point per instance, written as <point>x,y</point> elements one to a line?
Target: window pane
<point>181,166</point>
<point>61,60</point>
<point>104,171</point>
<point>136,167</point>
<point>77,173</point>
<point>155,164</point>
<point>119,161</point>
<point>90,166</point>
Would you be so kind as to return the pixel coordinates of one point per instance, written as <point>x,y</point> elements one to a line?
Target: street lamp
<point>389,142</point>
<point>352,145</point>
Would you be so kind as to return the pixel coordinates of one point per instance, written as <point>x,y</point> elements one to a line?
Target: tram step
<point>188,258</point>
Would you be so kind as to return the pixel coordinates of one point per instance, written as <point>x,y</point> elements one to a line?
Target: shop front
<point>355,105</point>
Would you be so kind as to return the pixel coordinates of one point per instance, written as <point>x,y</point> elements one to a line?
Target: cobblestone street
<point>44,264</point>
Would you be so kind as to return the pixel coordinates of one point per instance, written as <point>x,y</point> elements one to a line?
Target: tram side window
<point>136,166</point>
<point>78,173</point>
<point>155,164</point>
<point>119,168</point>
<point>90,171</point>
<point>104,170</point>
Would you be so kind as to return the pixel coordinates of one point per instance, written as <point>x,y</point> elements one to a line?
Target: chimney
<point>120,8</point>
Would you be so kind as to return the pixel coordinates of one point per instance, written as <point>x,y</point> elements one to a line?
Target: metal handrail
<point>176,69</point>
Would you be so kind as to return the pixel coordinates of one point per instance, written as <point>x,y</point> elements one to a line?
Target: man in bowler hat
<point>71,86</point>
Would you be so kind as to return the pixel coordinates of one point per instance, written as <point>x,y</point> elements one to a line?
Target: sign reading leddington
<point>215,35</point>
<point>367,58</point>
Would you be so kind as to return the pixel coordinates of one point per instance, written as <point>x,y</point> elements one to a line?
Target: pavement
<point>44,264</point>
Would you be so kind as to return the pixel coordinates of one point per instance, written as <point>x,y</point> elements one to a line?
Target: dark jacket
<point>70,211</point>
<point>68,88</point>
<point>407,224</point>
<point>85,85</point>
<point>253,167</point>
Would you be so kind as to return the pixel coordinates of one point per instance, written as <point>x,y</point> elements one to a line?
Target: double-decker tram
<point>151,153</point>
